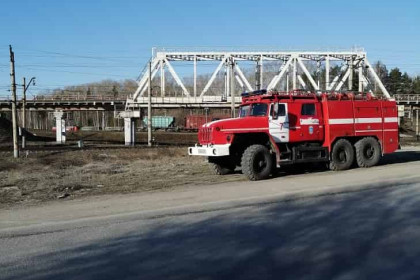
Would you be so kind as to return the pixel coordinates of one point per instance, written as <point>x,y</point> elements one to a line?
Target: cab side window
<point>308,109</point>
<point>278,110</point>
<point>282,110</point>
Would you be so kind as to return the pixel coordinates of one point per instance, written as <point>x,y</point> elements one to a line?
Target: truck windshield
<point>254,110</point>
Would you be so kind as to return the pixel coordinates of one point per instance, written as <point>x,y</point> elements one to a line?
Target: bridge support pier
<point>60,125</point>
<point>130,118</point>
<point>130,131</point>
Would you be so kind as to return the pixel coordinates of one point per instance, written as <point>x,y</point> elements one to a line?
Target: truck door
<point>311,124</point>
<point>278,122</point>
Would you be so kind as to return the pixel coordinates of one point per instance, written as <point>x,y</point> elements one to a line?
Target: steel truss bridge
<point>296,70</point>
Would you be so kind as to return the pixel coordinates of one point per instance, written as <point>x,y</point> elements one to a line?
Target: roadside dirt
<point>160,136</point>
<point>54,175</point>
<point>51,172</point>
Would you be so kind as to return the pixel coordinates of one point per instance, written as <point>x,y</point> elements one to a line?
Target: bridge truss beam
<point>302,68</point>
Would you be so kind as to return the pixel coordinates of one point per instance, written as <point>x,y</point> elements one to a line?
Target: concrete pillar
<point>103,121</point>
<point>60,126</point>
<point>130,131</point>
<point>130,118</point>
<point>417,124</point>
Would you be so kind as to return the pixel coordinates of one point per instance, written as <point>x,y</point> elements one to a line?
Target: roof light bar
<point>255,92</point>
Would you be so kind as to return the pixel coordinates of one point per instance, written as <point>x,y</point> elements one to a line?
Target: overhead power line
<point>81,56</point>
<point>76,66</point>
<point>74,72</point>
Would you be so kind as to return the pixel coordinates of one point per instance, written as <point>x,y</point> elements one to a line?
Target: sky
<point>74,42</point>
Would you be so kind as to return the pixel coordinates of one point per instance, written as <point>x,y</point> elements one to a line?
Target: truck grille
<point>205,135</point>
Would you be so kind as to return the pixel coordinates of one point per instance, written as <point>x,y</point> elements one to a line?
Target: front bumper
<point>209,150</point>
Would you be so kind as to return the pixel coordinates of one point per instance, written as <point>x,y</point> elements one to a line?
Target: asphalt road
<point>357,224</point>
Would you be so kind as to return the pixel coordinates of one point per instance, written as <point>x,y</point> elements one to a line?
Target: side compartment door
<point>278,122</point>
<point>390,140</point>
<point>311,122</point>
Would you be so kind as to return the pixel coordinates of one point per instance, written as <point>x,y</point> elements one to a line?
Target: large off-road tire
<point>257,162</point>
<point>221,165</point>
<point>342,155</point>
<point>368,152</point>
<point>220,169</point>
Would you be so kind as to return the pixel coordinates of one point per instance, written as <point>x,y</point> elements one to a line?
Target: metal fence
<point>67,97</point>
<point>408,98</point>
<point>78,97</point>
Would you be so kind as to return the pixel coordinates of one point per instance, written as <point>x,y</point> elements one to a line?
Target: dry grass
<point>50,175</point>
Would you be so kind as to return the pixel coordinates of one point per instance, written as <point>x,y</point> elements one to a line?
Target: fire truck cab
<point>276,129</point>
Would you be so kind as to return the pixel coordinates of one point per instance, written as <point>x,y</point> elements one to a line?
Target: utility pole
<point>149,108</point>
<point>377,70</point>
<point>360,77</point>
<point>232,87</point>
<point>25,88</point>
<point>14,112</point>
<point>24,114</point>
<point>350,81</point>
<point>258,75</point>
<point>294,74</point>
<point>417,124</point>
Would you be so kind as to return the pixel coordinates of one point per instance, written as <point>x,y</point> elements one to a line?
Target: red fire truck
<point>276,129</point>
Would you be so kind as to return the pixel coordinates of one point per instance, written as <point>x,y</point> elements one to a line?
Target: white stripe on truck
<point>368,120</point>
<point>363,120</point>
<point>341,121</point>
<point>391,120</point>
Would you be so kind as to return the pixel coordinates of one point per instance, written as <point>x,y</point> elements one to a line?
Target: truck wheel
<point>368,152</point>
<point>257,162</point>
<point>219,169</point>
<point>342,155</point>
<point>221,165</point>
